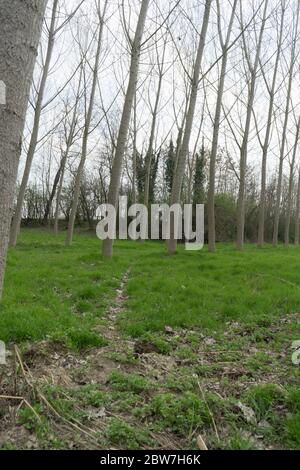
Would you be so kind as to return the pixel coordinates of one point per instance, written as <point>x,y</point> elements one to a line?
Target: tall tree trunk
<point>59,191</point>
<point>86,132</point>
<point>215,141</point>
<point>297,216</point>
<point>53,191</point>
<point>290,190</point>
<point>35,130</point>
<point>244,147</point>
<point>21,24</point>
<point>134,152</point>
<point>184,149</point>
<point>262,202</point>
<point>107,246</point>
<point>193,162</point>
<point>149,154</point>
<point>284,130</point>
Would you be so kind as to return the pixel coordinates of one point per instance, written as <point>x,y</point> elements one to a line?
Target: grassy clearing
<point>205,290</point>
<point>222,368</point>
<point>62,292</point>
<point>56,292</point>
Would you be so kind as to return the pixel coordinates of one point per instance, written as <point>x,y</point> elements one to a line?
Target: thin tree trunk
<point>86,132</point>
<point>290,190</point>
<point>262,203</point>
<point>285,125</point>
<point>149,154</point>
<point>21,24</point>
<point>35,131</point>
<point>107,246</point>
<point>134,153</point>
<point>215,141</point>
<point>192,164</point>
<point>53,191</point>
<point>297,216</point>
<point>184,149</point>
<point>59,191</point>
<point>244,147</point>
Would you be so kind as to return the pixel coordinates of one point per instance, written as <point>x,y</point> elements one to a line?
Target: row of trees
<point>94,192</point>
<point>167,101</point>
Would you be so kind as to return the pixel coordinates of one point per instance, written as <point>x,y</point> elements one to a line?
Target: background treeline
<point>195,190</point>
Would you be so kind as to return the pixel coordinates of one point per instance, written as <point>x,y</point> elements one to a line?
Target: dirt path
<point>111,332</point>
<point>50,364</point>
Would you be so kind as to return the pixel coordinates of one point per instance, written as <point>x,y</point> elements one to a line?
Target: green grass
<point>207,290</point>
<point>133,383</point>
<point>58,292</point>
<point>121,433</point>
<point>229,343</point>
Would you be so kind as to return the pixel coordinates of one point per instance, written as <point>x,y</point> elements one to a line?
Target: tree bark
<point>184,149</point>
<point>290,190</point>
<point>35,130</point>
<point>262,203</point>
<point>59,191</point>
<point>21,24</point>
<point>149,154</point>
<point>107,246</point>
<point>244,146</point>
<point>134,152</point>
<point>215,141</point>
<point>53,191</point>
<point>284,131</point>
<point>297,216</point>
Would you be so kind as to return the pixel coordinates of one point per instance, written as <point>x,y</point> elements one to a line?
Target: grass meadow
<point>200,344</point>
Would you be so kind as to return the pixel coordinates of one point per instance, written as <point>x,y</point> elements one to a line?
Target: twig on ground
<point>8,397</point>
<point>22,400</point>
<point>201,444</point>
